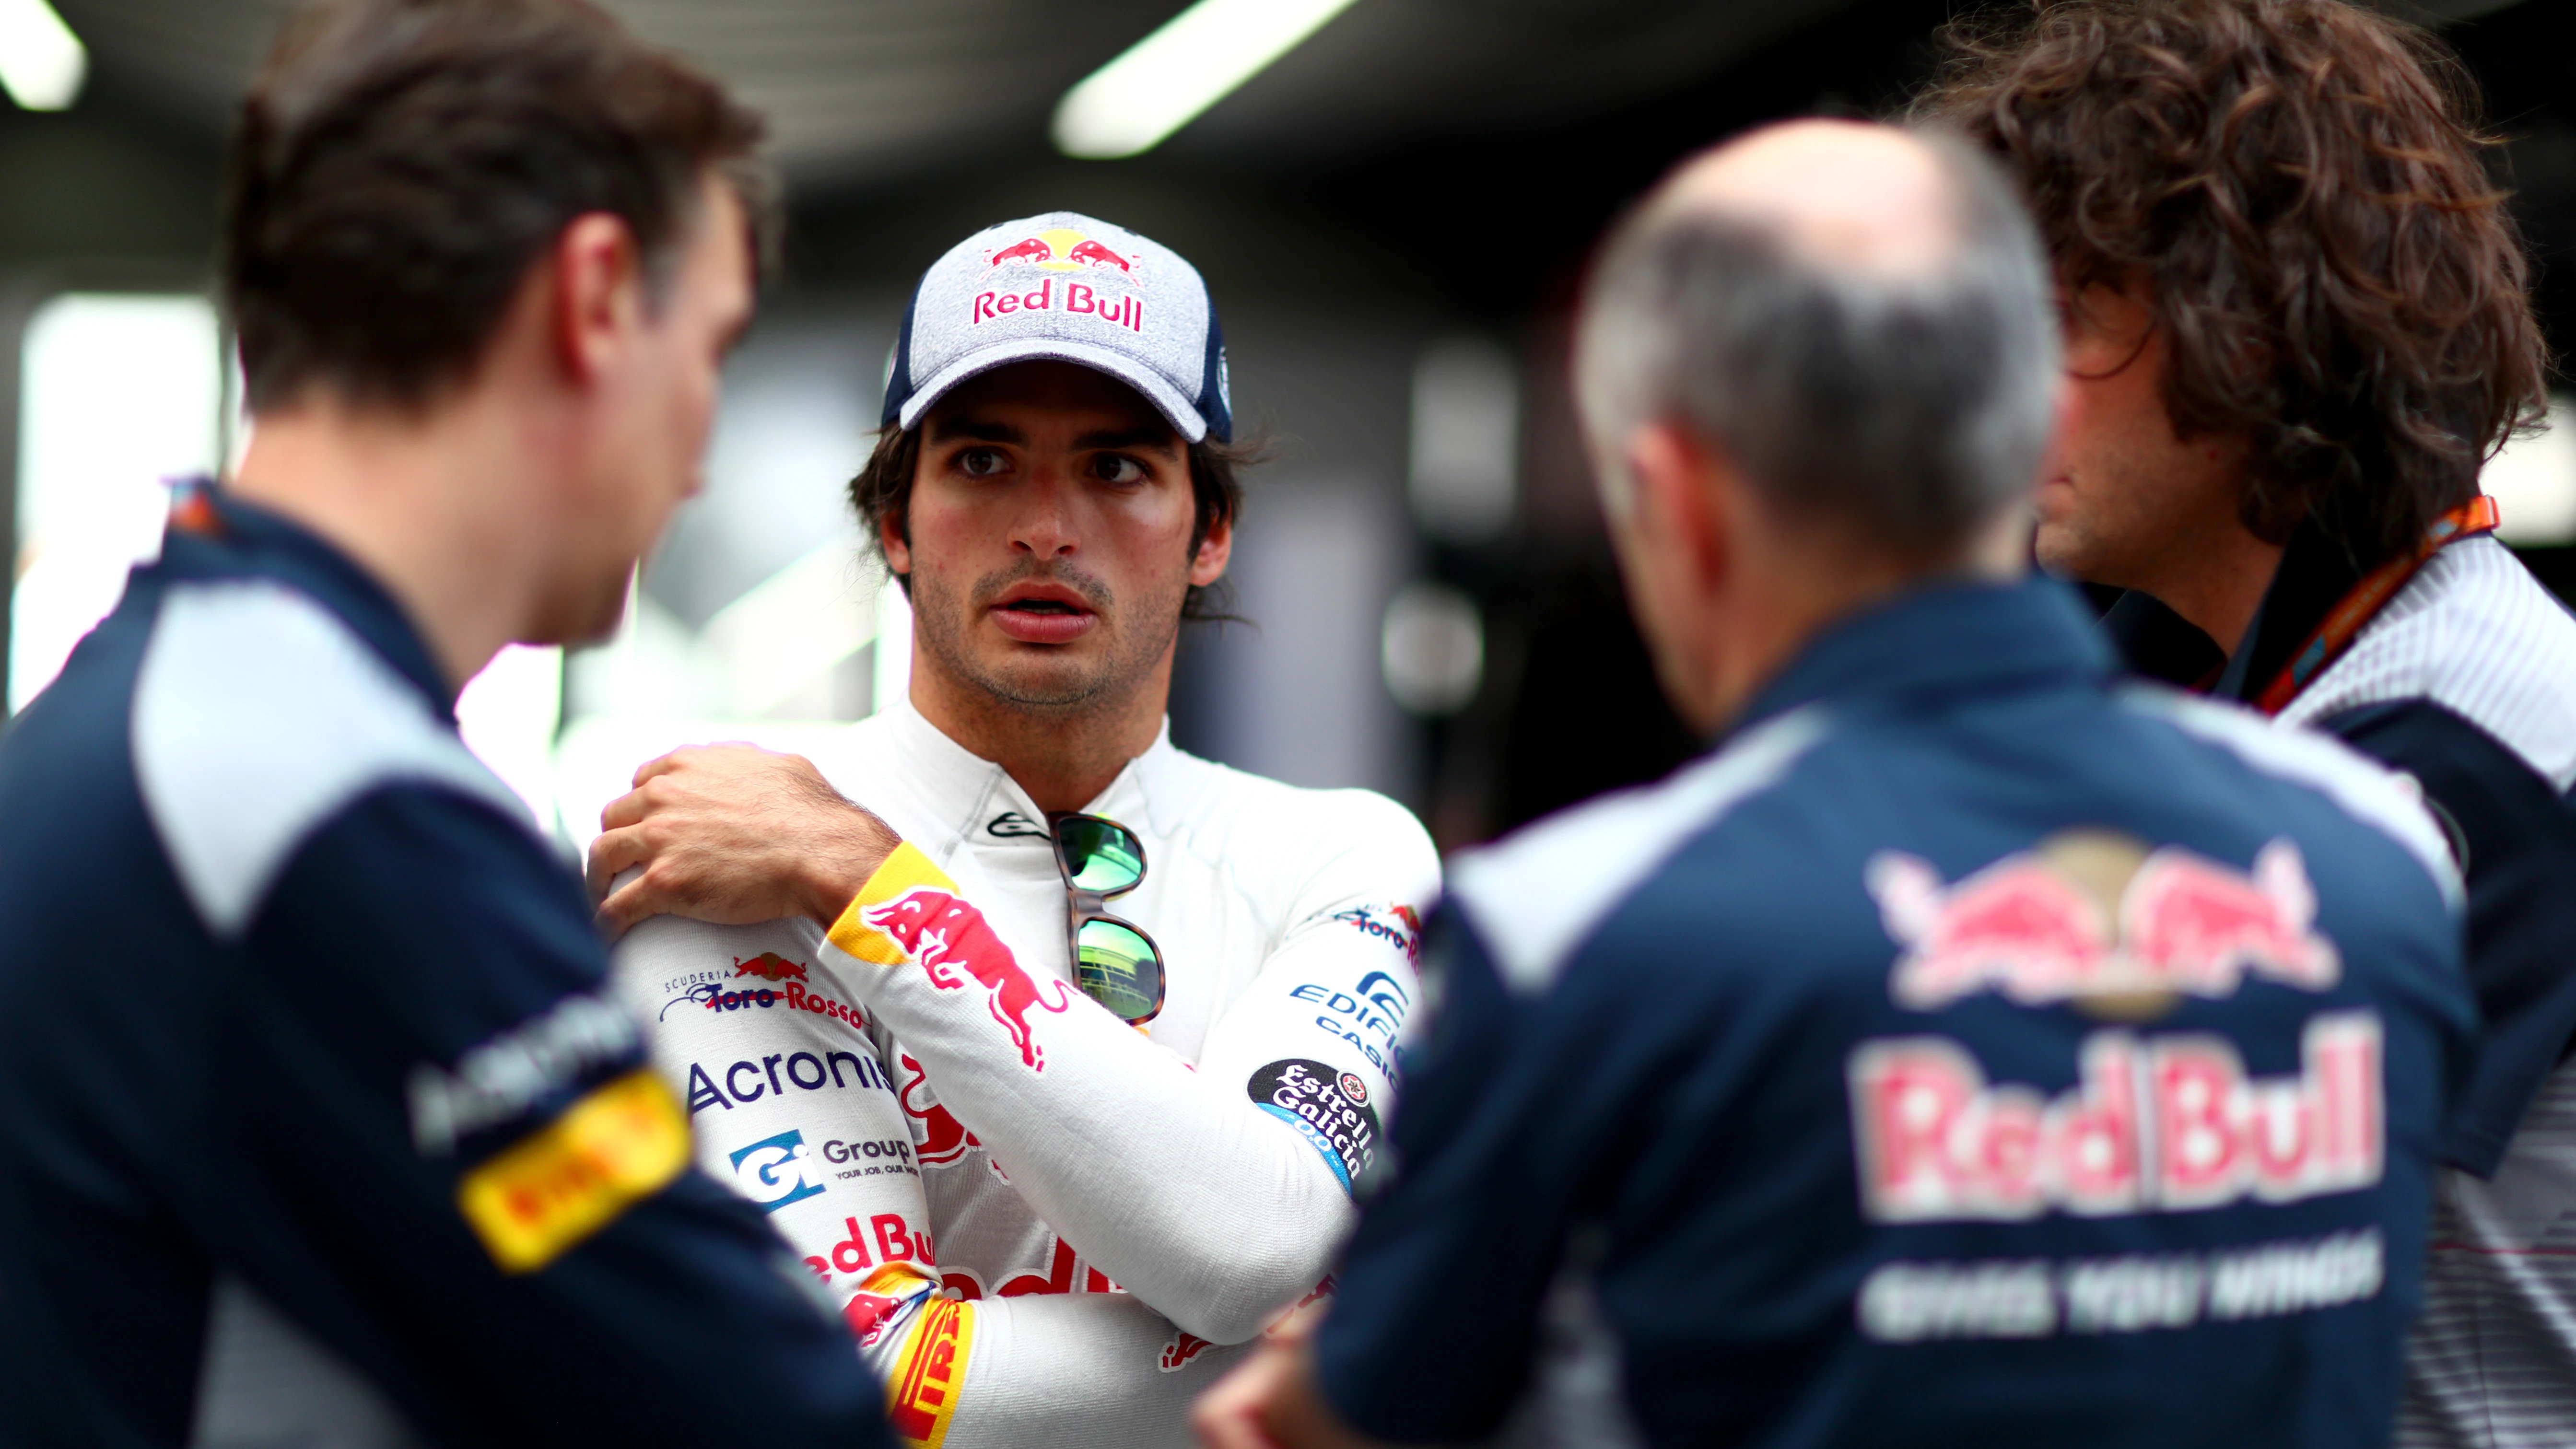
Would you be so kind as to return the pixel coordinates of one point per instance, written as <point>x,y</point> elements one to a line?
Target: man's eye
<point>981,462</point>
<point>1115,468</point>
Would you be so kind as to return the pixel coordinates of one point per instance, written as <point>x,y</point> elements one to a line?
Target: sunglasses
<point>1114,963</point>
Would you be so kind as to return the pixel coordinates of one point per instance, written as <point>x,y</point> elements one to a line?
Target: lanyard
<point>2348,618</point>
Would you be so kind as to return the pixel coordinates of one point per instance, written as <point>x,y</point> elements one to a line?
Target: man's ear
<point>1683,497</point>
<point>598,299</point>
<point>1214,552</point>
<point>898,553</point>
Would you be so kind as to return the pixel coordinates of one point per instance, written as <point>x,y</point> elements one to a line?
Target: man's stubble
<point>1066,685</point>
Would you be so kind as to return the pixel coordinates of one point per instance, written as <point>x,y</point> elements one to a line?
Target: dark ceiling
<point>1462,153</point>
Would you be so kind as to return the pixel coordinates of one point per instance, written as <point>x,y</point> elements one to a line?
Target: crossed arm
<point>1177,1182</point>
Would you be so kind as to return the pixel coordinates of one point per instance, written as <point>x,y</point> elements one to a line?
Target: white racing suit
<point>1048,1227</point>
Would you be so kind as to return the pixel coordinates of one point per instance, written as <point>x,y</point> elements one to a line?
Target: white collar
<point>965,791</point>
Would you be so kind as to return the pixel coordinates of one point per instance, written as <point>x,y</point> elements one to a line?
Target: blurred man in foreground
<point>2297,322</point>
<point>1059,1067</point>
<point>1966,1051</point>
<point>317,1125</point>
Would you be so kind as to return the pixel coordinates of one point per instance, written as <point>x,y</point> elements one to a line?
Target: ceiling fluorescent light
<point>1165,80</point>
<point>42,63</point>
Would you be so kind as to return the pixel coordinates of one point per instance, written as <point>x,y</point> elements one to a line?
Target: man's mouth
<point>1044,614</point>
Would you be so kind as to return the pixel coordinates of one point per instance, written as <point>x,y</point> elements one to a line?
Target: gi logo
<point>776,1171</point>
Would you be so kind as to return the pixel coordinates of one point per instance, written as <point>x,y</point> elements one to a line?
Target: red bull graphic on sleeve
<point>941,1139</point>
<point>2095,918</point>
<point>2153,1123</point>
<point>1184,1347</point>
<point>910,911</point>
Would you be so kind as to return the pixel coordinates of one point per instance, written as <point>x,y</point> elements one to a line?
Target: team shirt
<point>1971,1050</point>
<point>1046,1226</point>
<point>319,1123</point>
<point>2466,680</point>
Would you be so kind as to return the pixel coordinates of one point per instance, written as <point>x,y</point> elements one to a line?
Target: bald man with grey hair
<point>1967,1050</point>
<point>1889,360</point>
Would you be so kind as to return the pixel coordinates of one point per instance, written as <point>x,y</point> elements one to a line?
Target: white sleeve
<point>788,1098</point>
<point>792,1108</point>
<point>1218,1196</point>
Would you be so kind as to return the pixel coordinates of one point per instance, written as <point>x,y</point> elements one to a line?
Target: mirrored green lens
<point>1101,856</point>
<point>1118,968</point>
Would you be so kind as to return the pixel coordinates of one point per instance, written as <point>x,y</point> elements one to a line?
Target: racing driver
<point>1059,1061</point>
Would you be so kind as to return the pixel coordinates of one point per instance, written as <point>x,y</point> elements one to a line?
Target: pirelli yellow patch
<point>905,870</point>
<point>573,1176</point>
<point>922,1397</point>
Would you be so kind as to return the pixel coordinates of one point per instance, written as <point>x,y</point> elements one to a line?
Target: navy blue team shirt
<point>316,1121</point>
<point>1972,1050</point>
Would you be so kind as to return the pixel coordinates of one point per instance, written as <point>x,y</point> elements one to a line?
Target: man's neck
<point>1063,758</point>
<point>396,497</point>
<point>2217,583</point>
<point>1798,587</point>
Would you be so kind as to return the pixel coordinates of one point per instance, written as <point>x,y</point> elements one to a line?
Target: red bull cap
<point>1065,287</point>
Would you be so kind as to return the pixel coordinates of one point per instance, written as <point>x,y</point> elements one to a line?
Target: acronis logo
<point>776,1171</point>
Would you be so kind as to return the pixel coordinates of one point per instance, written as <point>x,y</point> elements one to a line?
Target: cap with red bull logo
<point>1066,287</point>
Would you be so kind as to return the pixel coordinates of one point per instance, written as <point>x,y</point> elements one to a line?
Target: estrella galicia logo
<point>1328,1108</point>
<point>776,1171</point>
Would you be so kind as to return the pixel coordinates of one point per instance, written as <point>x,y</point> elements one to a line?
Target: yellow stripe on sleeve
<point>905,870</point>
<point>923,1395</point>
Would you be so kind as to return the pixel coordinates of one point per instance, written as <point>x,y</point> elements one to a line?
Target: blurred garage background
<point>1392,206</point>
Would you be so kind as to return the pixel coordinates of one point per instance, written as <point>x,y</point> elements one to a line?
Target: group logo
<point>2095,918</point>
<point>776,1171</point>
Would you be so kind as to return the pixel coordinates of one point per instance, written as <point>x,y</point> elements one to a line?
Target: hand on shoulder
<point>734,835</point>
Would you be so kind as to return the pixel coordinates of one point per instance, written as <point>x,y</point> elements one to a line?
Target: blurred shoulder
<point>2297,758</point>
<point>258,717</point>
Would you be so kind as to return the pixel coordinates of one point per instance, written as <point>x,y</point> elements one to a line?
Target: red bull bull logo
<point>944,1140</point>
<point>2171,1122</point>
<point>955,946</point>
<point>1060,249</point>
<point>1184,1347</point>
<point>2094,917</point>
<point>769,966</point>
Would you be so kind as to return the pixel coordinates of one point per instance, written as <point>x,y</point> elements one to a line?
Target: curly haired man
<point>2297,324</point>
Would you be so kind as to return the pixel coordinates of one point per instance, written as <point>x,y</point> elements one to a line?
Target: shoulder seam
<point>258,716</point>
<point>1579,866</point>
<point>2368,792</point>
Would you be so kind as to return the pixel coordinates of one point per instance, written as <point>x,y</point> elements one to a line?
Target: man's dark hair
<point>883,490</point>
<point>2299,184</point>
<point>402,163</point>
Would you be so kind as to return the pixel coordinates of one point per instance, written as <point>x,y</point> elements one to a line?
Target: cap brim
<point>1158,390</point>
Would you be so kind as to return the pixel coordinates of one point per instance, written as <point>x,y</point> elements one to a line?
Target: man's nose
<point>1045,526</point>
